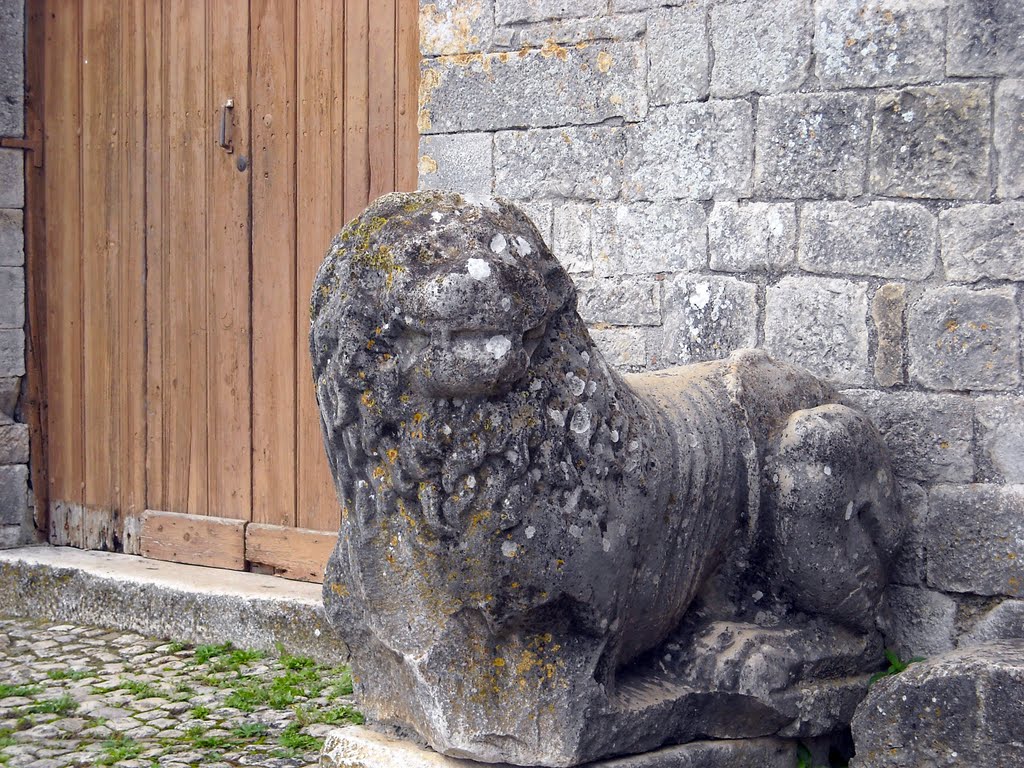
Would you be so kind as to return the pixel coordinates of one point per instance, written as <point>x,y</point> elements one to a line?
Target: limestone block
<point>677,44</point>
<point>745,237</point>
<point>566,32</point>
<point>513,11</point>
<point>1008,137</point>
<point>542,214</point>
<point>626,6</point>
<point>760,47</point>
<point>462,162</point>
<point>819,324</point>
<point>621,347</point>
<point>641,238</point>
<point>455,26</point>
<point>1001,437</point>
<point>932,142</point>
<point>582,163</point>
<point>965,339</point>
<point>12,68</point>
<point>960,708</point>
<point>620,300</point>
<point>571,237</point>
<point>883,239</point>
<point>863,44</point>
<point>536,87</point>
<point>1003,622</point>
<point>10,389</point>
<point>14,444</point>
<point>918,622</point>
<point>706,318</point>
<point>888,307</point>
<point>983,241</point>
<point>985,38</point>
<point>690,151</point>
<point>12,178</point>
<point>12,352</point>
<point>909,566</point>
<point>12,238</point>
<point>975,539</point>
<point>13,494</point>
<point>811,145</point>
<point>929,436</point>
<point>12,297</point>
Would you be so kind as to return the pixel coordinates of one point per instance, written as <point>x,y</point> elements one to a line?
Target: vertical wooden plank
<point>407,72</point>
<point>229,383</point>
<point>156,156</point>
<point>356,148</point>
<point>189,136</point>
<point>101,247</point>
<point>273,260</point>
<point>382,88</point>
<point>63,239</point>
<point>318,58</point>
<point>131,269</point>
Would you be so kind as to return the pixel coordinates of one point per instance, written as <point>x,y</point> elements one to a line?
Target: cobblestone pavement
<point>84,696</point>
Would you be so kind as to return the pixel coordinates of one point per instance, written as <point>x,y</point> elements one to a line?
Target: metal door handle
<point>225,140</point>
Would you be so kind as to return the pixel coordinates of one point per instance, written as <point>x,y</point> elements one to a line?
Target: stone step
<point>168,600</point>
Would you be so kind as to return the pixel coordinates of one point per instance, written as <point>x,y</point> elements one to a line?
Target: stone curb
<point>167,600</point>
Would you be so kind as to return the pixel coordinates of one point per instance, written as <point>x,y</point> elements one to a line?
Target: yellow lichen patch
<point>428,164</point>
<point>476,520</point>
<point>339,589</point>
<point>553,49</point>
<point>392,454</point>
<point>499,662</point>
<point>450,30</point>
<point>430,79</point>
<point>367,399</point>
<point>604,62</point>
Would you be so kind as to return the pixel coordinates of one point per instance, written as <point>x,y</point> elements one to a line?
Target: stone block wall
<point>15,521</point>
<point>840,182</point>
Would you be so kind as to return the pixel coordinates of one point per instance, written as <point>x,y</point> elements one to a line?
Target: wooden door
<point>173,284</point>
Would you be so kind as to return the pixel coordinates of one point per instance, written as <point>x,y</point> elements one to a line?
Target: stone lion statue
<point>542,561</point>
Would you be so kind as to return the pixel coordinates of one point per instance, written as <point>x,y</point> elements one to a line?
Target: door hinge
<point>33,142</point>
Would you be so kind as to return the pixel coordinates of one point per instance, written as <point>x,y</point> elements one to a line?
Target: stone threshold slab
<point>358,747</point>
<point>168,600</point>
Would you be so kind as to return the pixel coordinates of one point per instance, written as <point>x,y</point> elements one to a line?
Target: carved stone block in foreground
<point>544,562</point>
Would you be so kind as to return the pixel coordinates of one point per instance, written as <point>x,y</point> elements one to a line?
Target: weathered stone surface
<point>752,237</point>
<point>960,708</point>
<point>929,436</point>
<point>862,44</point>
<point>887,309</point>
<point>642,238</point>
<point>542,214</point>
<point>12,238</point>
<point>12,68</point>
<point>455,26</point>
<point>975,539</point>
<point>12,352</point>
<point>932,142</point>
<point>13,494</point>
<point>811,145</point>
<point>983,241</point>
<point>819,324</point>
<point>584,163</point>
<point>1004,622</point>
<point>571,32</point>
<point>690,151</point>
<point>641,5</point>
<point>512,11</point>
<point>1008,138</point>
<point>918,622</point>
<point>965,339</point>
<point>461,161</point>
<point>680,60</point>
<point>14,444</point>
<point>359,747</point>
<point>985,38</point>
<point>621,347</point>
<point>882,239</point>
<point>909,566</point>
<point>524,531</point>
<point>12,178</point>
<point>760,47</point>
<point>540,87</point>
<point>706,318</point>
<point>571,240</point>
<point>632,300</point>
<point>1001,437</point>
<point>10,389</point>
<point>12,297</point>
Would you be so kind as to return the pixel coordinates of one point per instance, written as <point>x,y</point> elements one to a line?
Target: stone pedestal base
<point>357,747</point>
